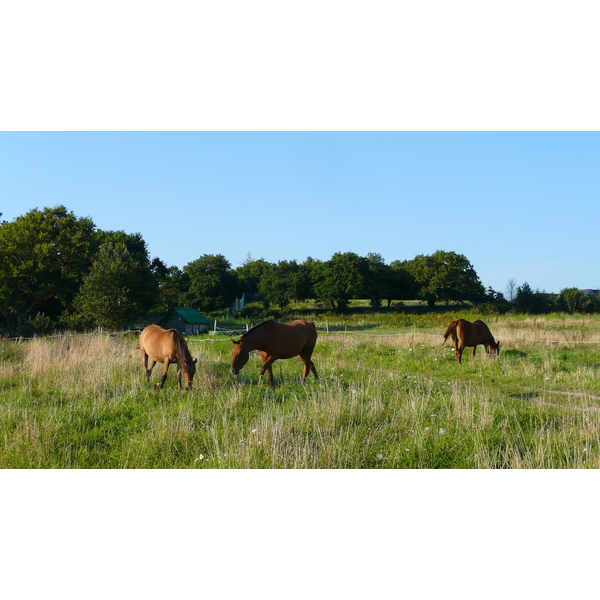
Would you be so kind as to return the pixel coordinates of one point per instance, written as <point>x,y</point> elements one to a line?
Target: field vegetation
<point>389,395</point>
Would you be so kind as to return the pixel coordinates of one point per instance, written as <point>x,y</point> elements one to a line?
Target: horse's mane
<point>184,356</point>
<point>257,327</point>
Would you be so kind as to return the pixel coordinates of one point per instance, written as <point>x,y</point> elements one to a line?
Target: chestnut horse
<point>167,346</point>
<point>275,340</point>
<point>464,333</point>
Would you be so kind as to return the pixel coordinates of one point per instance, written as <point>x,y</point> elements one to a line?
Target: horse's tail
<point>451,331</point>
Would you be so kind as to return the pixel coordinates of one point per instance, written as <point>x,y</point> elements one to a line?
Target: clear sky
<point>517,205</point>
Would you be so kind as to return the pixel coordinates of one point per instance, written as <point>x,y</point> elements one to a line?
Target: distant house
<point>591,292</point>
<point>186,320</point>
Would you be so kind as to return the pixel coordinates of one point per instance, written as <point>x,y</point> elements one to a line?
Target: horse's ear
<point>195,360</point>
<point>235,341</point>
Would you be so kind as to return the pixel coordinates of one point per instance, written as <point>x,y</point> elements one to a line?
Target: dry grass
<point>382,401</point>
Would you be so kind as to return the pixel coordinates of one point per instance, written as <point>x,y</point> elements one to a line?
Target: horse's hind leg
<point>147,369</point>
<point>474,351</point>
<point>308,367</point>
<point>459,352</point>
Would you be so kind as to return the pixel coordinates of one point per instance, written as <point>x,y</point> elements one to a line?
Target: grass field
<point>389,395</point>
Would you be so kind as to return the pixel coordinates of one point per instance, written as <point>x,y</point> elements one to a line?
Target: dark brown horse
<point>275,340</point>
<point>464,333</point>
<point>167,346</point>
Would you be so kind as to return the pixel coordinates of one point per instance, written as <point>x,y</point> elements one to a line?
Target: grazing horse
<point>167,346</point>
<point>464,333</point>
<point>275,340</point>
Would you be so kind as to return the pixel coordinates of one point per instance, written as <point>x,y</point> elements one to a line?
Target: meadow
<point>389,396</point>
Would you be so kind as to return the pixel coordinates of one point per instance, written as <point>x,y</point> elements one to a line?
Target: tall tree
<point>173,286</point>
<point>45,255</point>
<point>115,291</point>
<point>279,283</point>
<point>445,276</point>
<point>380,284</point>
<point>341,278</point>
<point>250,273</point>
<point>573,300</point>
<point>528,301</point>
<point>213,284</point>
<point>511,289</point>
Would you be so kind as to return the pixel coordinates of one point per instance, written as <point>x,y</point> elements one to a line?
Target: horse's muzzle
<point>234,371</point>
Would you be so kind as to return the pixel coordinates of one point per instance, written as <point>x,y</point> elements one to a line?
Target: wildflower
<point>201,457</point>
<point>426,428</point>
<point>254,430</point>
<point>380,456</point>
<point>442,431</point>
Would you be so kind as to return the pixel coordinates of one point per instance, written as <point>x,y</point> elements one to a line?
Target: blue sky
<point>517,205</point>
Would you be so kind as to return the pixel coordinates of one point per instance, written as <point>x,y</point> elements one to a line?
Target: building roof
<point>190,315</point>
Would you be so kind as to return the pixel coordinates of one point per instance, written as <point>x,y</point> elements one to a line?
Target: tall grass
<point>387,397</point>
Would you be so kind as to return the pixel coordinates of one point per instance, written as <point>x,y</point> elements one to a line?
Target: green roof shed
<point>186,320</point>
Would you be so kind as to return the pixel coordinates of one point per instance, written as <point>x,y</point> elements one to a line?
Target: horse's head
<point>189,370</point>
<point>494,349</point>
<point>239,356</point>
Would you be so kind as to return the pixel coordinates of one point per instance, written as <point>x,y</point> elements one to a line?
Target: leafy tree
<point>573,300</point>
<point>445,276</point>
<point>250,273</point>
<point>528,301</point>
<point>45,255</point>
<point>173,286</point>
<point>279,283</point>
<point>403,284</point>
<point>341,278</point>
<point>379,281</point>
<point>115,291</point>
<point>305,279</point>
<point>213,284</point>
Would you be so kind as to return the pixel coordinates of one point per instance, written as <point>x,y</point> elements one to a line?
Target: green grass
<point>389,396</point>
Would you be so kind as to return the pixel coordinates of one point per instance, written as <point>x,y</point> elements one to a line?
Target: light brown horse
<point>166,346</point>
<point>275,340</point>
<point>464,333</point>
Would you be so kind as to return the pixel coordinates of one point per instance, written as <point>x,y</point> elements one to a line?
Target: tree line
<point>59,271</point>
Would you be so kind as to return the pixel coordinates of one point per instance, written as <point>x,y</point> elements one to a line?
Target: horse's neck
<point>252,343</point>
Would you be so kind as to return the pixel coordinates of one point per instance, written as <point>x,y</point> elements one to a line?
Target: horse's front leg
<point>459,351</point>
<point>267,362</point>
<point>165,371</point>
<point>179,371</point>
<point>474,350</point>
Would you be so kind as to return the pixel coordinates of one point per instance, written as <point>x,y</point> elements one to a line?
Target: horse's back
<point>482,328</point>
<point>158,343</point>
<point>294,337</point>
<point>473,334</point>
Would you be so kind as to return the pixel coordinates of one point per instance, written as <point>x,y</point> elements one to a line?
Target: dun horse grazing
<point>464,333</point>
<point>275,340</point>
<point>167,346</point>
